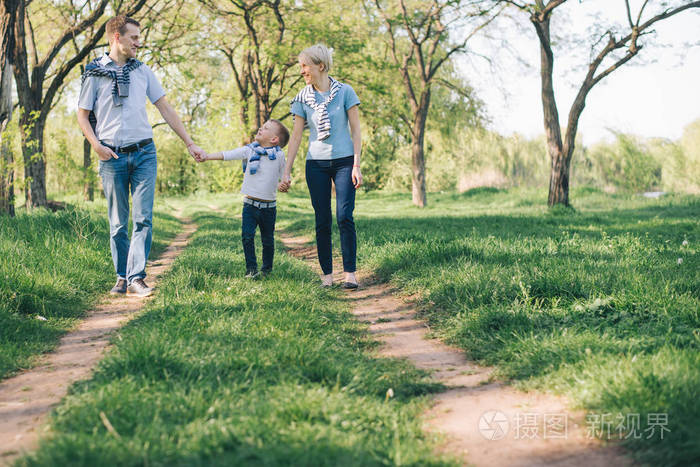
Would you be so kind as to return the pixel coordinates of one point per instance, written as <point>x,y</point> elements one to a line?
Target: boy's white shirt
<point>263,183</point>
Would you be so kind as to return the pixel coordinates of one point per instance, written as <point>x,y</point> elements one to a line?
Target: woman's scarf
<point>308,96</point>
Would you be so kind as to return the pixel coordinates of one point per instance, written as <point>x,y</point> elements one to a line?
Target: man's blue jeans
<point>253,218</point>
<point>135,173</point>
<point>319,174</point>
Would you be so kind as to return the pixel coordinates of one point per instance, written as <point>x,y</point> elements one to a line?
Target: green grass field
<point>220,370</point>
<point>55,266</point>
<point>601,304</point>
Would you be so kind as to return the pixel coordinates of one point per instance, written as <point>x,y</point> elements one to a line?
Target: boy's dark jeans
<point>265,219</point>
<point>319,174</point>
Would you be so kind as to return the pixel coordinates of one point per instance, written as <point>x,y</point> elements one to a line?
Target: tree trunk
<point>7,171</point>
<point>559,180</point>
<point>89,180</point>
<point>418,155</point>
<point>244,119</point>
<point>258,112</point>
<point>559,175</point>
<point>32,130</point>
<point>7,179</point>
<point>8,10</point>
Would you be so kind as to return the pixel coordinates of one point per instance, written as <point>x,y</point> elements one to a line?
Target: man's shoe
<point>119,287</point>
<point>139,287</point>
<point>254,274</point>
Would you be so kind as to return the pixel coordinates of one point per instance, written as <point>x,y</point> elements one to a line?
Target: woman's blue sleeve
<point>351,98</point>
<point>298,109</point>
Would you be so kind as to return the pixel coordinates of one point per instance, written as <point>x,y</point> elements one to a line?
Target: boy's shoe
<point>138,287</point>
<point>266,272</point>
<point>254,274</point>
<point>119,287</point>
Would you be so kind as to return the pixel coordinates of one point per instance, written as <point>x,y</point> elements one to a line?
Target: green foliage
<point>184,43</point>
<point>626,165</point>
<point>54,265</point>
<point>690,142</point>
<point>474,157</point>
<point>177,170</point>
<point>593,303</point>
<point>680,160</point>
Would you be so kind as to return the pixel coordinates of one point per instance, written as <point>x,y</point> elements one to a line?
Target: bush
<point>625,165</point>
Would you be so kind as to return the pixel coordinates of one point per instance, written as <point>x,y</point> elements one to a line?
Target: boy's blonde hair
<point>282,132</point>
<point>319,54</point>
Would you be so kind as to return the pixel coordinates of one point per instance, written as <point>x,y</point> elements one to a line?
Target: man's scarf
<point>308,96</point>
<point>120,80</point>
<point>272,153</point>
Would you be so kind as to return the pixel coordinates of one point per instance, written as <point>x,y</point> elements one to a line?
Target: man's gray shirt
<point>121,125</point>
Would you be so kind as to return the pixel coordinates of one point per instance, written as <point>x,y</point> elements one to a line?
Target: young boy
<point>263,166</point>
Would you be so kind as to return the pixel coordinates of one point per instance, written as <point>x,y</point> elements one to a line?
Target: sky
<point>655,95</point>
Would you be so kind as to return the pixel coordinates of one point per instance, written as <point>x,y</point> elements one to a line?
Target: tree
<point>8,10</point>
<point>615,47</point>
<point>253,54</point>
<point>39,85</point>
<point>262,55</point>
<point>418,35</point>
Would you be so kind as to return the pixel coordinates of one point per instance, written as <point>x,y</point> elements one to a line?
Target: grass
<point>55,266</point>
<point>592,302</point>
<point>220,370</point>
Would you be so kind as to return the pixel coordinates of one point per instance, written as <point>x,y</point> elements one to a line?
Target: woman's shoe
<point>350,281</point>
<point>327,280</point>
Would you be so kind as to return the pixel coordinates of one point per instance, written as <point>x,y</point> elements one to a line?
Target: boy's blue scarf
<point>272,152</point>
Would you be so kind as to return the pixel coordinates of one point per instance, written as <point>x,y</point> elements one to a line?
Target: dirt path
<point>26,399</point>
<point>485,422</point>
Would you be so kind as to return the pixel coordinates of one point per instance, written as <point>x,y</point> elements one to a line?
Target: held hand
<point>356,176</point>
<point>285,183</point>
<point>104,153</point>
<point>196,152</point>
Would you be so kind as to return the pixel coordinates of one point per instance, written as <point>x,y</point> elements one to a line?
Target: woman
<point>331,110</point>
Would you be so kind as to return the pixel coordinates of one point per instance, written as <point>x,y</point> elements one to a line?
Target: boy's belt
<point>130,147</point>
<point>260,204</point>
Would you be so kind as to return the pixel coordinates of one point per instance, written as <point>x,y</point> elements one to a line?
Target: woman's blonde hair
<point>318,54</point>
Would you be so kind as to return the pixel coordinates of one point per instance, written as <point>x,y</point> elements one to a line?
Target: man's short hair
<point>118,24</point>
<point>282,132</point>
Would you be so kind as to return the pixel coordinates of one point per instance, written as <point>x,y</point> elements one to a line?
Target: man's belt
<point>260,204</point>
<point>130,147</point>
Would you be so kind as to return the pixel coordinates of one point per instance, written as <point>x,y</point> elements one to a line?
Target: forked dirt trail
<point>26,399</point>
<point>485,422</point>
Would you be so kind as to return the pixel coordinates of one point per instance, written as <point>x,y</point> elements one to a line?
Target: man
<point>112,116</point>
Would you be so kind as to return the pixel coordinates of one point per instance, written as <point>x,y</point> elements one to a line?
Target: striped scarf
<point>272,153</point>
<point>308,96</point>
<point>120,79</point>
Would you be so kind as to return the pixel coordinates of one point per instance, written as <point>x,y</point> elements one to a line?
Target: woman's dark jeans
<point>319,174</point>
